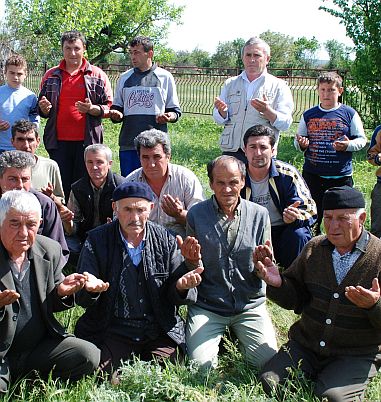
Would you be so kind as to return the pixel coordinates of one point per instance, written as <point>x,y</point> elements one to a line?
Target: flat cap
<point>342,198</point>
<point>133,190</point>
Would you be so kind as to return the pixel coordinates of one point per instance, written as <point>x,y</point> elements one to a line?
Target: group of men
<point>150,242</point>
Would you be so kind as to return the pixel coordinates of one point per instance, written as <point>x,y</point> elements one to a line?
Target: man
<point>334,285</point>
<point>280,188</point>
<point>46,175</point>
<point>32,288</point>
<point>74,97</point>
<point>176,188</point>
<point>231,295</point>
<point>15,174</point>
<point>148,279</point>
<point>145,97</point>
<point>253,97</point>
<point>91,196</point>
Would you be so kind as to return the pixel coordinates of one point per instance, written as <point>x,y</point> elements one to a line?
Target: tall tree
<point>305,52</point>
<point>282,48</point>
<point>107,24</point>
<point>362,21</point>
<point>338,55</point>
<point>228,54</point>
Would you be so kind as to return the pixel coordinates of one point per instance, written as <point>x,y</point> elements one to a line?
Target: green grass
<point>194,143</point>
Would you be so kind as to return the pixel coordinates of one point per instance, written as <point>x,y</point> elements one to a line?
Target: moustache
<point>134,223</point>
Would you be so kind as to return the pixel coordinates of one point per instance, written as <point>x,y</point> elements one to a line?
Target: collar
<point>217,208</point>
<point>127,244</point>
<point>245,77</point>
<point>137,71</point>
<point>82,68</point>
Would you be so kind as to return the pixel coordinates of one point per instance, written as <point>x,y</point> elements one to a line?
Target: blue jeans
<point>129,161</point>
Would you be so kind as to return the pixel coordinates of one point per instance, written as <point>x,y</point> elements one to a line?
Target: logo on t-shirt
<point>141,98</point>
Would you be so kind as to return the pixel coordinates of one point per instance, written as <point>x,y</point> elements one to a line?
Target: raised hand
<point>190,280</point>
<point>291,213</point>
<point>303,142</point>
<point>364,298</point>
<point>264,265</point>
<point>95,285</point>
<point>8,296</point>
<point>190,249</point>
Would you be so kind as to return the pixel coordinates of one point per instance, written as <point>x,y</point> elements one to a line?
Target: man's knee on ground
<point>270,381</point>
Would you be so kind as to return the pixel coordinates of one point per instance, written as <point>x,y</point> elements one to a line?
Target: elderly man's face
<point>18,231</point>
<point>154,162</point>
<point>132,214</point>
<point>343,228</point>
<point>254,59</point>
<point>97,167</point>
<point>227,184</point>
<point>16,179</point>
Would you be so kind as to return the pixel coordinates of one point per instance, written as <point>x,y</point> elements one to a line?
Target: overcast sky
<point>208,22</point>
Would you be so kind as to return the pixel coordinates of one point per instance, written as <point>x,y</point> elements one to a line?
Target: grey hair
<point>151,138</point>
<point>359,212</point>
<point>21,201</point>
<point>222,160</point>
<point>16,159</point>
<point>99,148</point>
<point>257,42</point>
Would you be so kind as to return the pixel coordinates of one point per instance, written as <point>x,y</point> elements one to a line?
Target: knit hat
<point>342,198</point>
<point>133,190</point>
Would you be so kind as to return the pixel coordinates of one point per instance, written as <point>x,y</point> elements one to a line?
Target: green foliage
<point>228,54</point>
<point>282,48</point>
<point>338,55</point>
<point>305,52</point>
<point>107,24</point>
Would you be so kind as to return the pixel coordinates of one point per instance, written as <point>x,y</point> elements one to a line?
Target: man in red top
<point>74,97</point>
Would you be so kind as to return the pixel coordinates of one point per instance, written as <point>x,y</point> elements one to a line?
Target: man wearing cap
<point>334,285</point>
<point>148,279</point>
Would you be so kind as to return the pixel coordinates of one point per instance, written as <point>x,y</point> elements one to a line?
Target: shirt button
<point>336,295</point>
<point>328,321</point>
<point>140,284</point>
<point>144,315</point>
<point>14,318</point>
<point>137,339</point>
<point>322,344</point>
<point>141,301</point>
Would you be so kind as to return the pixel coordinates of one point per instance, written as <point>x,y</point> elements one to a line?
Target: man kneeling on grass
<point>334,285</point>
<point>148,279</point>
<point>32,288</point>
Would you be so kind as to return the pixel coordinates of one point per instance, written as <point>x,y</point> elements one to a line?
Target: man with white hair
<point>253,97</point>
<point>32,288</point>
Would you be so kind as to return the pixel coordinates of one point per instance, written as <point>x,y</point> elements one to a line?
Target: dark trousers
<point>70,159</point>
<point>288,242</point>
<point>337,378</point>
<point>67,358</point>
<point>115,349</point>
<point>375,210</point>
<point>318,185</point>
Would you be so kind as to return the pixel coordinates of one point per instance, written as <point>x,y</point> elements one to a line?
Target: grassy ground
<point>194,143</point>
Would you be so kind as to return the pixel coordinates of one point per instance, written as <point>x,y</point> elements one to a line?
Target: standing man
<point>145,98</point>
<point>148,279</point>
<point>253,97</point>
<point>280,188</point>
<point>74,97</point>
<point>335,285</point>
<point>176,188</point>
<point>32,289</point>
<point>228,228</point>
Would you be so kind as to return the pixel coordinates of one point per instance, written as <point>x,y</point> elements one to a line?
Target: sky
<point>208,22</point>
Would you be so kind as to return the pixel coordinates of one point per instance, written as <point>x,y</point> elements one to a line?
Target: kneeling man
<point>32,288</point>
<point>148,279</point>
<point>334,285</point>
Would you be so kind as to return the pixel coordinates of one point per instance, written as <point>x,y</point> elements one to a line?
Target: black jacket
<point>102,256</point>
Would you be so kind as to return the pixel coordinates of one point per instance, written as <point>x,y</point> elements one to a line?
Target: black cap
<point>133,190</point>
<point>342,198</point>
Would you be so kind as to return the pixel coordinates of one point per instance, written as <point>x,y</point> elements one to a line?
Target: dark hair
<point>330,77</point>
<point>151,138</point>
<point>142,40</point>
<point>72,36</point>
<point>15,60</point>
<point>259,130</point>
<point>24,126</point>
<point>223,159</point>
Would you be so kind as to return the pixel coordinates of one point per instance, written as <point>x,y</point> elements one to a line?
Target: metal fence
<point>197,88</point>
